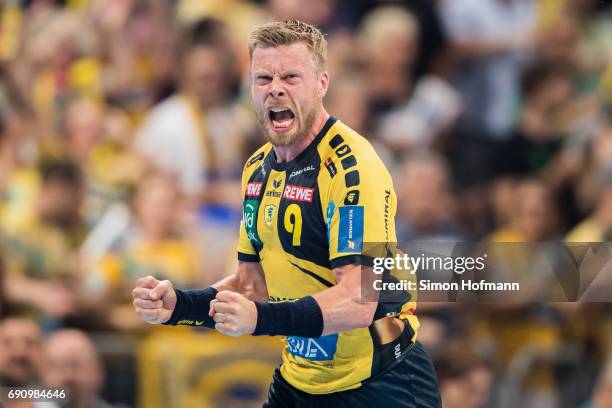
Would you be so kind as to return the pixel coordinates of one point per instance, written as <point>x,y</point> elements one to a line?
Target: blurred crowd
<point>124,126</point>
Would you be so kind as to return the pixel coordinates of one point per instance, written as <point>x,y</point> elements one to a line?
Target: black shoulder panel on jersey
<point>336,141</point>
<point>349,162</point>
<point>352,178</point>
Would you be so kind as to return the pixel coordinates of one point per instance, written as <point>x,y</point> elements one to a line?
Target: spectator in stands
<point>195,133</point>
<point>41,258</point>
<point>100,138</point>
<point>73,364</point>
<point>154,243</point>
<point>407,111</point>
<point>538,134</point>
<point>390,44</point>
<point>535,216</point>
<point>489,37</point>
<point>465,378</point>
<point>21,354</point>
<point>425,201</point>
<point>491,40</point>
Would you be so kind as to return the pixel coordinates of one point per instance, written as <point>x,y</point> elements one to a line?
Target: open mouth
<point>282,118</point>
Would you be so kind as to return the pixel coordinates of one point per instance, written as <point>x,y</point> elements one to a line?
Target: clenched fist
<point>234,314</point>
<point>154,300</point>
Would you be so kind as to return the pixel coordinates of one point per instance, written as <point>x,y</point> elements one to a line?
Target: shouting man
<point>313,196</point>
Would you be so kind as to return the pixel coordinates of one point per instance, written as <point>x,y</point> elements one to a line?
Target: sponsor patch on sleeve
<point>350,231</point>
<point>331,167</point>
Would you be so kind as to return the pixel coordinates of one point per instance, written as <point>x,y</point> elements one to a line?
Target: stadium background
<point>125,125</point>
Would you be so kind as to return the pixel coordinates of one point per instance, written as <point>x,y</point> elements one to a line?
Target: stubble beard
<point>286,138</point>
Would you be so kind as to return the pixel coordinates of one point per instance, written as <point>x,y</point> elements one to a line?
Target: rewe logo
<point>298,193</point>
<point>253,189</point>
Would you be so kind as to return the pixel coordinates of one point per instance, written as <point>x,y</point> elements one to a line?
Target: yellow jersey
<point>302,219</point>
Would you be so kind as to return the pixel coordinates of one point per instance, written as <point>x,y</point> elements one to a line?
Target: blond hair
<point>388,21</point>
<point>288,32</point>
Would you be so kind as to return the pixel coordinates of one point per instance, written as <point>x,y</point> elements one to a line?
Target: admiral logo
<point>387,197</point>
<point>352,197</point>
<point>277,183</point>
<point>253,189</point>
<point>298,193</point>
<point>255,159</point>
<point>331,167</point>
<point>298,172</point>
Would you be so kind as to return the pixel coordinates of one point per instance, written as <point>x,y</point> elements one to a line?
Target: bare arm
<point>342,305</point>
<point>248,280</point>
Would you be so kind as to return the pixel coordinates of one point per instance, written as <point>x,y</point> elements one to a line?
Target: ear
<point>323,83</point>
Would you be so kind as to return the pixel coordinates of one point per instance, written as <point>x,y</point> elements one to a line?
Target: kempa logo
<point>298,172</point>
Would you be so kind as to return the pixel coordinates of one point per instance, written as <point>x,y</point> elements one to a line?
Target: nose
<point>276,89</point>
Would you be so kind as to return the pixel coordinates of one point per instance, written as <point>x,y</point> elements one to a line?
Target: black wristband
<point>302,318</point>
<point>192,308</point>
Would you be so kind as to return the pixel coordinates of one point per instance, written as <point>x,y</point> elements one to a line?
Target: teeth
<point>278,109</point>
<point>284,124</point>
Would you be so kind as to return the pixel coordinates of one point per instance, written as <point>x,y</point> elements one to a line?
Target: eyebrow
<point>259,74</point>
<point>291,72</point>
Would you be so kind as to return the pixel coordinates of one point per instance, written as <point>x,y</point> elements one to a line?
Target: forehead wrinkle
<point>282,58</point>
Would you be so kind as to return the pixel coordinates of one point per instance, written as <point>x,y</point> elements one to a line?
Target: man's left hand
<point>233,314</point>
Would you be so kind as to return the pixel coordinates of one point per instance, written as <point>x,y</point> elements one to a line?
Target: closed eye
<point>291,77</point>
<point>262,79</point>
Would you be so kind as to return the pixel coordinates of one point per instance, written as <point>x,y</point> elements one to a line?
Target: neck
<point>290,152</point>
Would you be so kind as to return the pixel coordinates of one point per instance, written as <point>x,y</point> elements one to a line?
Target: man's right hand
<point>154,300</point>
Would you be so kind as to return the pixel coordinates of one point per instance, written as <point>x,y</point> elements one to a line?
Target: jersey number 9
<point>293,223</point>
